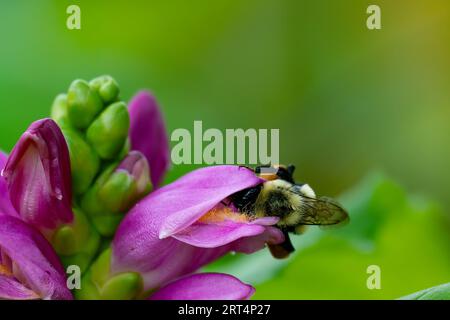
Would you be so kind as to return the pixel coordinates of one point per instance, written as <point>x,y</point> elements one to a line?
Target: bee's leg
<point>301,229</point>
<point>225,204</point>
<point>282,250</point>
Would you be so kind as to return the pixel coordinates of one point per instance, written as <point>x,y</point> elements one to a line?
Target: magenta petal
<point>266,221</point>
<point>12,289</point>
<point>271,235</point>
<point>193,195</point>
<point>148,134</point>
<point>178,205</point>
<point>137,245</point>
<point>32,260</point>
<point>38,176</point>
<point>6,206</point>
<point>242,237</point>
<point>204,235</point>
<point>3,159</point>
<point>159,261</point>
<point>205,286</point>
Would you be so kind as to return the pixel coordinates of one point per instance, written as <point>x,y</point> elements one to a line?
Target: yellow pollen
<point>4,270</point>
<point>219,215</point>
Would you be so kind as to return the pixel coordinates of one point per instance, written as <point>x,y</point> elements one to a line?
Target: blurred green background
<point>347,100</point>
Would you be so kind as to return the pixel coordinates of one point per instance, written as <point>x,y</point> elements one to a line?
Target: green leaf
<point>441,292</point>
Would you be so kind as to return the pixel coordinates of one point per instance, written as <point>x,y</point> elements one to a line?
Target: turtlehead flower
<point>117,189</point>
<point>179,228</point>
<point>37,174</point>
<point>162,238</point>
<point>36,186</point>
<point>205,286</point>
<point>148,134</point>
<point>6,206</point>
<point>133,175</point>
<point>29,268</point>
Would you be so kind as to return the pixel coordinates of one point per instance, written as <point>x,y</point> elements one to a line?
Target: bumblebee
<point>296,205</point>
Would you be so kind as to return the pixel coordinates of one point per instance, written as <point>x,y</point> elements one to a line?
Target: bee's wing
<point>322,211</point>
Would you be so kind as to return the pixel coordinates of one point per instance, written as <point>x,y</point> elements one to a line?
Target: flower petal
<point>148,134</point>
<point>38,176</point>
<point>5,203</point>
<point>271,235</point>
<point>33,258</point>
<point>159,261</point>
<point>191,196</point>
<point>174,208</point>
<point>3,158</point>
<point>205,286</point>
<point>12,289</point>
<point>206,235</point>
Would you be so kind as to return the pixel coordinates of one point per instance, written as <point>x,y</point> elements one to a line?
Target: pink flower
<point>29,268</point>
<point>6,206</point>
<point>165,238</point>
<point>181,227</point>
<point>205,286</point>
<point>38,178</point>
<point>148,134</point>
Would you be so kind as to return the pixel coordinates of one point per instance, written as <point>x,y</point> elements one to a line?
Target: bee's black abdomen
<point>244,200</point>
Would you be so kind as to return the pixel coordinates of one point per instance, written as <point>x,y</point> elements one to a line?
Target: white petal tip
<point>163,235</point>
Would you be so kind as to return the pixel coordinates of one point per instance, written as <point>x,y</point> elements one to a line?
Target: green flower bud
<point>64,240</point>
<point>101,267</point>
<point>117,189</point>
<point>77,242</point>
<point>107,224</point>
<point>117,192</point>
<point>84,162</point>
<point>126,148</point>
<point>84,104</point>
<point>108,133</point>
<point>104,220</point>
<point>107,88</point>
<point>98,283</point>
<point>124,286</point>
<point>59,111</point>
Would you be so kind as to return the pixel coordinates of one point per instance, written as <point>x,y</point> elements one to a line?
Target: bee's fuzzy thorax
<point>278,194</point>
<point>284,188</point>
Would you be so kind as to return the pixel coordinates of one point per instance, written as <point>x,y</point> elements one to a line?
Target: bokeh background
<point>365,115</point>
